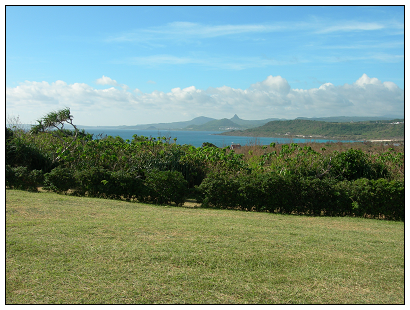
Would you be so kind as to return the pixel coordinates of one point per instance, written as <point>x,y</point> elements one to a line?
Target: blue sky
<point>148,64</point>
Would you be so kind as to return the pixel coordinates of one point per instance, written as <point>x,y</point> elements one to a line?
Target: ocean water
<point>196,138</point>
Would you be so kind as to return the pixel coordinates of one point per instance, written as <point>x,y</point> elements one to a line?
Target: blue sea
<point>196,138</point>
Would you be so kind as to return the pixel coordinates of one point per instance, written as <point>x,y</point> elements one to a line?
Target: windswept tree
<point>53,123</point>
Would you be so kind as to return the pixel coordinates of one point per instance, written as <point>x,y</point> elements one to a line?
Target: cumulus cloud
<point>272,97</point>
<point>273,83</point>
<point>105,80</point>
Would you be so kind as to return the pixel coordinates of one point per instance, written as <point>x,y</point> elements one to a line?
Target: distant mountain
<point>161,126</point>
<point>343,119</point>
<point>216,125</point>
<point>302,128</point>
<point>235,118</point>
<point>200,120</point>
<point>251,123</point>
<point>203,123</point>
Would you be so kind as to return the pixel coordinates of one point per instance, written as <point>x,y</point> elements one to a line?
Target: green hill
<point>251,123</point>
<point>216,125</point>
<point>321,129</point>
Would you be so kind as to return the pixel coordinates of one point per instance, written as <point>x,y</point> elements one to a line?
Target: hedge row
<point>23,178</point>
<point>161,187</point>
<point>291,195</point>
<point>269,192</point>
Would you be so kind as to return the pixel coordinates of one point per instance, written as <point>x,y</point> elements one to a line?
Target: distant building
<point>235,146</point>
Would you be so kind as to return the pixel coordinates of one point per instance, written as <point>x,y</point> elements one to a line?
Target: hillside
<point>203,123</point>
<point>321,129</point>
<point>345,119</point>
<point>216,125</point>
<point>160,126</point>
<point>235,123</point>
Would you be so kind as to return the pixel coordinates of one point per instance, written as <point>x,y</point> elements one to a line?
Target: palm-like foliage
<point>53,123</point>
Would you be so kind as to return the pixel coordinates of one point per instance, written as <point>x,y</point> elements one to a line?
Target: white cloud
<point>188,30</point>
<point>208,31</point>
<point>105,80</point>
<point>272,97</point>
<point>183,31</point>
<point>220,62</point>
<point>352,26</point>
<point>364,79</point>
<point>276,84</point>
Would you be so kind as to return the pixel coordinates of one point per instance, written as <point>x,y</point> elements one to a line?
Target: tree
<point>53,123</point>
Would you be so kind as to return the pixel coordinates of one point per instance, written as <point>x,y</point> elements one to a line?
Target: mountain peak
<point>235,117</point>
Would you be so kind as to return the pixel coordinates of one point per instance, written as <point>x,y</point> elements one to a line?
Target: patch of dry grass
<point>77,250</point>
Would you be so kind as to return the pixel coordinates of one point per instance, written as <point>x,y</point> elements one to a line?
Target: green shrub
<point>311,196</point>
<point>22,178</point>
<point>60,179</point>
<point>9,134</point>
<point>122,184</point>
<point>164,187</point>
<point>91,181</point>
<point>10,176</point>
<point>378,197</point>
<point>20,153</point>
<point>355,164</point>
<point>266,192</point>
<point>220,190</point>
<point>320,196</point>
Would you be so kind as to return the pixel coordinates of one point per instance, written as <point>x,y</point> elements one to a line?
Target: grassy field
<point>78,250</point>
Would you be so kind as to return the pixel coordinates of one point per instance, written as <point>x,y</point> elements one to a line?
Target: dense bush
<point>313,196</point>
<point>355,164</point>
<point>124,185</point>
<point>9,134</point>
<point>220,190</point>
<point>290,179</point>
<point>92,181</point>
<point>377,198</point>
<point>266,192</point>
<point>60,179</point>
<point>164,187</point>
<point>22,178</point>
<point>21,153</point>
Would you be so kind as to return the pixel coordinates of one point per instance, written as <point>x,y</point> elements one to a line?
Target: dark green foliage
<point>355,164</point>
<point>289,179</point>
<point>97,182</point>
<point>10,176</point>
<point>21,153</point>
<point>220,190</point>
<point>60,179</point>
<point>266,192</point>
<point>377,197</point>
<point>9,134</point>
<point>317,197</point>
<point>91,181</point>
<point>208,144</point>
<point>22,178</point>
<point>291,195</point>
<point>124,185</point>
<point>164,187</point>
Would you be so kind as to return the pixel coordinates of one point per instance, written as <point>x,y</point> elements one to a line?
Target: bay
<point>196,138</point>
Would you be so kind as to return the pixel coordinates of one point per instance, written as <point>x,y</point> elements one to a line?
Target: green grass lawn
<point>77,250</point>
